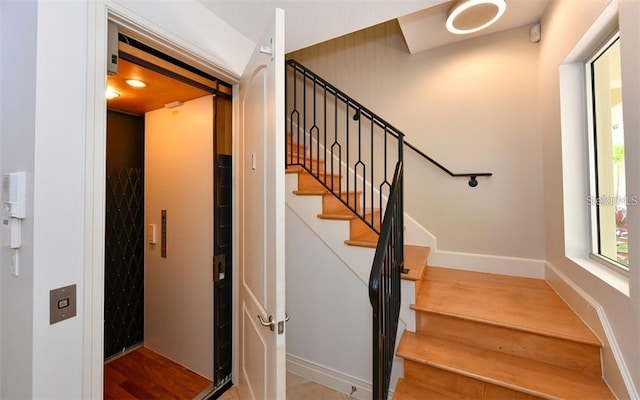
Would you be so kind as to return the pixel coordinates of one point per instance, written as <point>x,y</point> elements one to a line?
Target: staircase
<point>477,335</point>
<point>360,233</point>
<point>487,336</point>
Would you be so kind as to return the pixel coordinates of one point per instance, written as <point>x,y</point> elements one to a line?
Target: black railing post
<point>384,288</point>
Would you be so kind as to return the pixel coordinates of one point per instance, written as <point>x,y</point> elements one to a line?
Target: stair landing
<point>520,303</point>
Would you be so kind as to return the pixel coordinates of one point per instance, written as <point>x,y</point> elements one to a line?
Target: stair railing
<point>308,91</point>
<point>351,157</point>
<point>384,287</point>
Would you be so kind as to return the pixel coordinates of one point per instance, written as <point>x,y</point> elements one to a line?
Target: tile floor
<point>299,388</point>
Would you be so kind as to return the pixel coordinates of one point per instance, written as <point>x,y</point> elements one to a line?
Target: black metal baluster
<point>348,187</point>
<point>335,145</point>
<point>373,168</point>
<point>324,124</point>
<point>304,119</point>
<point>314,128</point>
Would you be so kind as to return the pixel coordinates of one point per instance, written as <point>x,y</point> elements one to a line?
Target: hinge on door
<point>267,49</point>
<point>218,268</point>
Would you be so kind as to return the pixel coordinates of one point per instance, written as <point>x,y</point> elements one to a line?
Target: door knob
<point>271,323</point>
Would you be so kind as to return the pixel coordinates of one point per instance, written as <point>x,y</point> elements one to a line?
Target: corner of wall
<point>615,371</point>
<point>18,32</point>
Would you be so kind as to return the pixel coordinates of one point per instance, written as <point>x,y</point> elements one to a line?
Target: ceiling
<point>313,22</point>
<point>161,89</point>
<point>425,29</point>
<point>308,23</point>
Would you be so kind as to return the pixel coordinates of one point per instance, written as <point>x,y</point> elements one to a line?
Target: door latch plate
<point>218,268</point>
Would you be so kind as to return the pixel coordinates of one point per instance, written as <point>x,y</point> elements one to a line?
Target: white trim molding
<point>493,264</point>
<point>613,371</point>
<point>328,377</point>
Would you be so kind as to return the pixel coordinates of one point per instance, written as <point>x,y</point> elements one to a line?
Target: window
<point>609,198</point>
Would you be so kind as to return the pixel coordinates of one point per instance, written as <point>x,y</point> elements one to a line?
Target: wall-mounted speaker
<point>534,33</point>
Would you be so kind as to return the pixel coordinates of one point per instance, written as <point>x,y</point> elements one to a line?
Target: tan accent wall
<point>473,106</point>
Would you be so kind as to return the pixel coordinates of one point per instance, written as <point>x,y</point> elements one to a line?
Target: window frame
<point>594,209</point>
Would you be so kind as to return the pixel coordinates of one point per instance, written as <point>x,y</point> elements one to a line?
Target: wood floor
<point>486,336</point>
<point>143,374</point>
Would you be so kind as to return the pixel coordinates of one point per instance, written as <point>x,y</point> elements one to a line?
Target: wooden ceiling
<point>160,90</point>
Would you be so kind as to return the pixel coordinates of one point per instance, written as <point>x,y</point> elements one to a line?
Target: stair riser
<point>332,205</point>
<point>560,352</point>
<point>308,182</point>
<point>296,149</point>
<point>358,228</point>
<point>295,146</point>
<point>456,385</point>
<point>313,165</point>
<point>298,154</point>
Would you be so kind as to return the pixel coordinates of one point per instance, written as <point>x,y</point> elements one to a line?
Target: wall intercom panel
<point>14,195</point>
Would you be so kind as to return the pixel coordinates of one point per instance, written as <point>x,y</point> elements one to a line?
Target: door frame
<point>92,309</point>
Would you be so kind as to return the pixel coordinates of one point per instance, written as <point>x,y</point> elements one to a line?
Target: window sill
<point>615,279</point>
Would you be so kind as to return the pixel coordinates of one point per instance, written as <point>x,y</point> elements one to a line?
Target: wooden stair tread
<point>307,192</point>
<point>369,239</point>
<point>528,376</point>
<point>525,304</point>
<point>415,260</point>
<point>293,169</point>
<point>297,168</point>
<point>406,390</point>
<point>361,243</point>
<point>346,216</point>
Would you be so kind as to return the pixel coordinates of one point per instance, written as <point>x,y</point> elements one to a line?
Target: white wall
<point>473,106</point>
<point>564,24</point>
<point>53,130</point>
<point>58,213</point>
<point>330,326</point>
<point>178,293</point>
<point>17,136</point>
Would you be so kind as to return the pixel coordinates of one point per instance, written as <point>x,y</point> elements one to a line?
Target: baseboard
<point>328,377</point>
<point>513,266</point>
<point>607,335</point>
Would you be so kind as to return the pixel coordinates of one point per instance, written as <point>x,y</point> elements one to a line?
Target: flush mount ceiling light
<point>174,104</point>
<point>136,83</point>
<point>111,94</point>
<point>468,16</point>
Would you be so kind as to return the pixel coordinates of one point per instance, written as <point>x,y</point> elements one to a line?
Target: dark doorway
<point>222,246</point>
<point>124,234</point>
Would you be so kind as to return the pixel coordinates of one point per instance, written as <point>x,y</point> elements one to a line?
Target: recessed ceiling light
<point>468,16</point>
<point>111,94</point>
<point>136,83</point>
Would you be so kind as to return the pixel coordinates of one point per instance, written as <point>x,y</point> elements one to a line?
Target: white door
<point>261,220</point>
